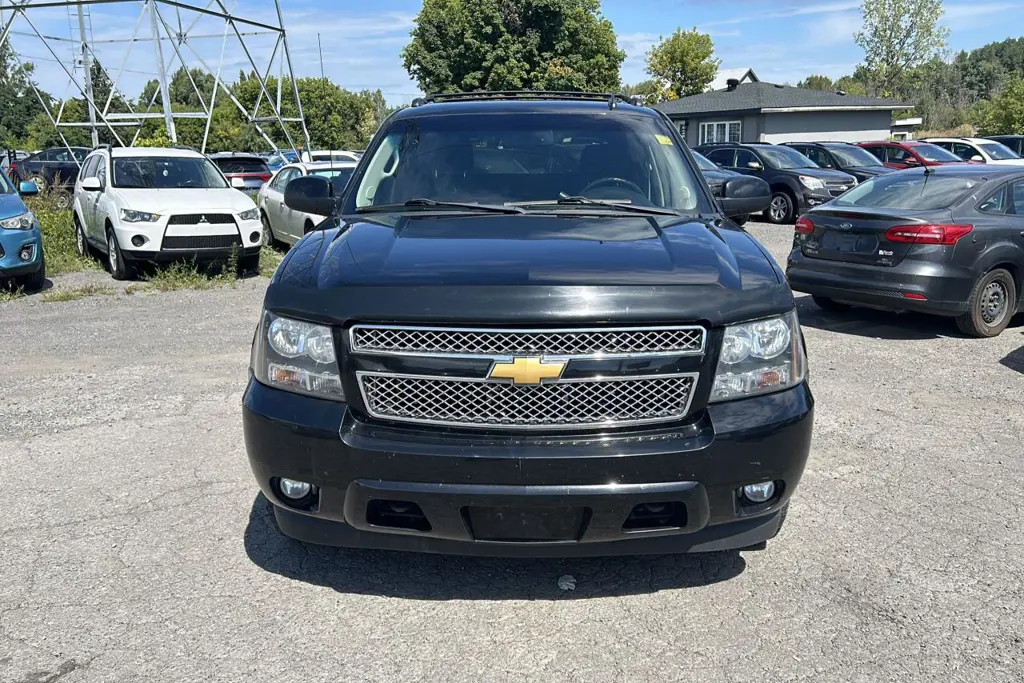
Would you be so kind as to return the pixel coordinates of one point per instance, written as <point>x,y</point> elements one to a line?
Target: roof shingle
<point>760,96</point>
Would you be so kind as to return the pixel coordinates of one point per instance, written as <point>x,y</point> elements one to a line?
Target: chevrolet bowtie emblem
<point>527,370</point>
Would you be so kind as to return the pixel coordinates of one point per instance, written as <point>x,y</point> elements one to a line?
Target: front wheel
<point>81,243</point>
<point>249,264</point>
<point>992,303</point>
<point>782,209</point>
<point>120,269</point>
<point>33,282</point>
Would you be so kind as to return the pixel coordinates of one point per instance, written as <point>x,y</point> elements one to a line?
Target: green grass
<point>10,292</point>
<point>58,237</point>
<point>75,293</point>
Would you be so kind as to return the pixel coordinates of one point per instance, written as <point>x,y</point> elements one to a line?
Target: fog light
<point>26,252</point>
<point>759,493</point>
<point>295,490</point>
<point>255,237</point>
<point>138,241</point>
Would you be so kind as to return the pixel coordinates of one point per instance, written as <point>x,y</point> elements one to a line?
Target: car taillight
<point>804,225</point>
<point>945,235</point>
<point>265,177</point>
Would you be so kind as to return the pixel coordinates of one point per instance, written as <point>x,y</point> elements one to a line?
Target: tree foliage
<point>684,63</point>
<point>1004,114</point>
<point>817,82</point>
<point>18,103</point>
<point>650,90</point>
<point>467,45</point>
<point>899,36</point>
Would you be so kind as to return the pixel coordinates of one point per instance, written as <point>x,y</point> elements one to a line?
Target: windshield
<point>930,152</point>
<point>785,157</point>
<point>167,173</point>
<point>853,156</point>
<point>909,190</point>
<point>252,165</point>
<point>703,162</point>
<point>998,151</point>
<point>504,158</point>
<point>335,175</point>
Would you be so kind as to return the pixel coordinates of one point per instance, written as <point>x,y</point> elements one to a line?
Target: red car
<point>911,154</point>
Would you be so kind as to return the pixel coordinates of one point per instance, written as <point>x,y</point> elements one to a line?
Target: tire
<point>62,200</point>
<point>307,228</point>
<point>38,180</point>
<point>268,231</point>
<point>992,304</point>
<point>782,210</point>
<point>249,264</point>
<point>81,243</point>
<point>120,269</point>
<point>831,305</point>
<point>33,282</point>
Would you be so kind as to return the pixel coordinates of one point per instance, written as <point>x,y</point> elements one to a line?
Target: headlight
<point>296,356</point>
<point>129,216</point>
<point>760,357</point>
<point>812,183</point>
<point>250,215</point>
<point>21,222</point>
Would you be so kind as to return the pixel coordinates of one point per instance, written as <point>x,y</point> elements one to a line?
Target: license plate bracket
<point>528,524</point>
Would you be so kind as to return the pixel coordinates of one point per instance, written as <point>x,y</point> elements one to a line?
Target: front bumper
<point>153,236</point>
<point>12,242</point>
<point>946,288</point>
<point>568,495</point>
<point>811,198</point>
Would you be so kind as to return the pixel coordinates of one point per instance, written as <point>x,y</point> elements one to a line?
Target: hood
<point>1007,162</point>
<point>186,200</point>
<point>11,205</point>
<point>719,176</point>
<point>825,174</point>
<point>490,268</point>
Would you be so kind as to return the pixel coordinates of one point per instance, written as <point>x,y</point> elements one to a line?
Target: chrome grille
<point>836,188</point>
<point>564,404</point>
<point>578,343</point>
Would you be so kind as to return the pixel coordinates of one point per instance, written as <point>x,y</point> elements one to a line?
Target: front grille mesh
<point>611,341</point>
<point>202,242</point>
<point>462,402</point>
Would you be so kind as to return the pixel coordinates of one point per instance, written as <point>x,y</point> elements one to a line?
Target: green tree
<point>1004,114</point>
<point>684,62</point>
<point>650,91</point>
<point>466,45</point>
<point>851,86</point>
<point>817,82</point>
<point>19,105</point>
<point>898,36</point>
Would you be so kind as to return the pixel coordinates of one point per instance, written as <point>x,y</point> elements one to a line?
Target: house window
<point>682,129</point>
<point>720,131</point>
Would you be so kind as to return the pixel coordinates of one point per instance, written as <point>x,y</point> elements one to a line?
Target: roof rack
<point>611,98</point>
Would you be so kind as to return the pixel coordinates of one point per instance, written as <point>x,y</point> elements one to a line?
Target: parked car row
<point>21,241</point>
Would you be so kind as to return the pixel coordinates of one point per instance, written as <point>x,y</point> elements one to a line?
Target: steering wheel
<point>612,182</point>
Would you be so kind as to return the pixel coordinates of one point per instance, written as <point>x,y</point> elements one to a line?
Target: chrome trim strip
<point>360,374</point>
<point>530,330</point>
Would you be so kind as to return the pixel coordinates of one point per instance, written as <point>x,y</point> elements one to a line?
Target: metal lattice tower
<point>171,28</point>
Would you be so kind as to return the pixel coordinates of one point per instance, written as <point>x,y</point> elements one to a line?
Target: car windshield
<point>785,157</point>
<point>852,156</point>
<point>930,152</point>
<point>166,173</point>
<point>909,190</point>
<point>704,163</point>
<point>998,151</point>
<point>536,158</point>
<point>243,165</point>
<point>334,174</point>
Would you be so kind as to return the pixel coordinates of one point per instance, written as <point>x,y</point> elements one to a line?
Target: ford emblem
<point>846,226</point>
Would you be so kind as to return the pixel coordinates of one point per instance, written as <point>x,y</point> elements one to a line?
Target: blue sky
<point>782,40</point>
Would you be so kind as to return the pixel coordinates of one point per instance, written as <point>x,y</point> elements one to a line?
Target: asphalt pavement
<point>134,545</point>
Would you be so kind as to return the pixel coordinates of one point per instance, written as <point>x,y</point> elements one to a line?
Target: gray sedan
<point>282,224</point>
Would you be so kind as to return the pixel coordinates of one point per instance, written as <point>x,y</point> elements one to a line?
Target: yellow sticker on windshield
<point>664,139</point>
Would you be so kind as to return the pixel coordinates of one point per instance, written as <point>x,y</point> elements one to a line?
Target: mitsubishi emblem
<point>202,219</point>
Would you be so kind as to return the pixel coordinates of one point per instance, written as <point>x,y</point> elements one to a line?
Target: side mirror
<point>978,157</point>
<point>238,183</point>
<point>310,194</point>
<point>911,161</point>
<point>26,189</point>
<point>754,165</point>
<point>744,195</point>
<point>92,184</point>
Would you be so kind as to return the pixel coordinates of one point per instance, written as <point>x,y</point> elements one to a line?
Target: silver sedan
<point>282,224</point>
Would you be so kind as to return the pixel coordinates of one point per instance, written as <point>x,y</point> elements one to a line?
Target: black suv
<point>797,183</point>
<point>527,328</point>
<point>1014,142</point>
<point>843,156</point>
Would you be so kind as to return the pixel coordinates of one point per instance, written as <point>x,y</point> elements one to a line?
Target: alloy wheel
<point>779,208</point>
<point>112,252</point>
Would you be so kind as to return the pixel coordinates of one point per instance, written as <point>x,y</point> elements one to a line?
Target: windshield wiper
<point>579,200</point>
<point>433,203</point>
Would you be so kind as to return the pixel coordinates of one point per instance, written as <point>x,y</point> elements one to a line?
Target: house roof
<point>760,97</point>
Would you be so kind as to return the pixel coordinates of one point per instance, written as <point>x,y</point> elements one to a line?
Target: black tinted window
<point>722,157</point>
<point>242,165</point>
<point>909,190</point>
<point>166,173</point>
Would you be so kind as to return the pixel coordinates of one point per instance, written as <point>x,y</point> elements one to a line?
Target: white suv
<point>161,204</point>
<point>979,150</point>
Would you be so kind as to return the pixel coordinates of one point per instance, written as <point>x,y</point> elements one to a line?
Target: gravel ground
<point>135,546</point>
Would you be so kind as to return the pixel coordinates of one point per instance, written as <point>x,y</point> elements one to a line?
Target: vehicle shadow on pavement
<point>867,322</point>
<point>1014,360</point>
<point>446,577</point>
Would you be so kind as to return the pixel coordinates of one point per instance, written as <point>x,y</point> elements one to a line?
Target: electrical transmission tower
<point>172,29</point>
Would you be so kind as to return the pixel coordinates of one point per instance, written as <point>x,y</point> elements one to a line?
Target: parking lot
<point>135,546</point>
